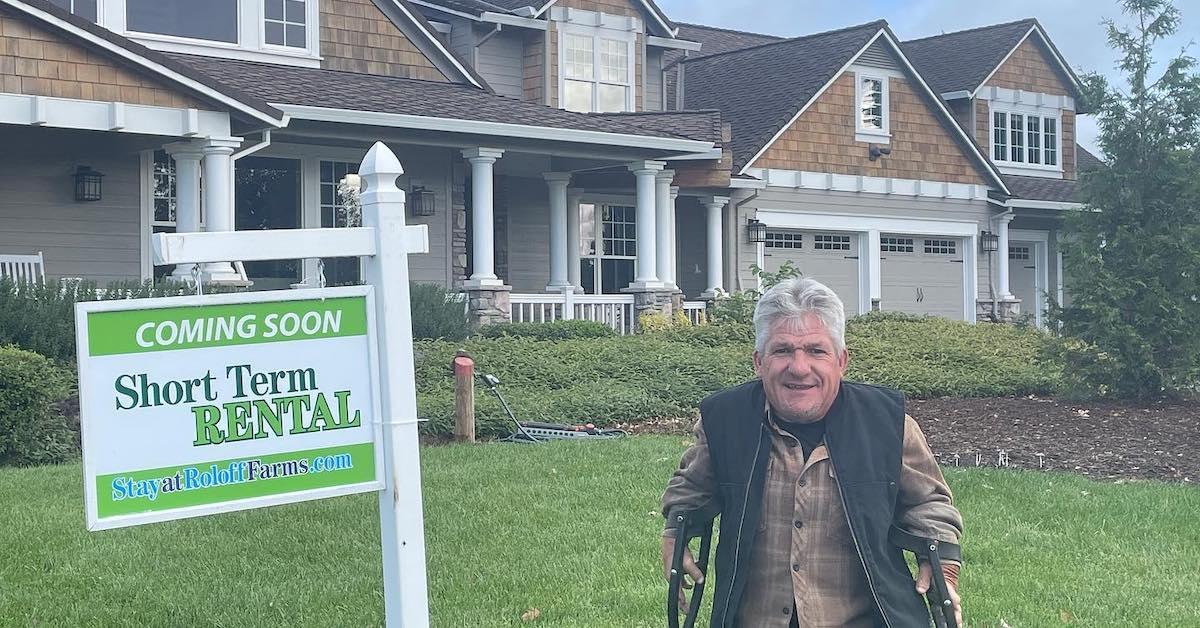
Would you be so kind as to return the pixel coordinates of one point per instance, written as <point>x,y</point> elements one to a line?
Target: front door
<point>1023,279</point>
<point>267,195</point>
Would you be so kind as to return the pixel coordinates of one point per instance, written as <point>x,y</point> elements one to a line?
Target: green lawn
<point>569,529</point>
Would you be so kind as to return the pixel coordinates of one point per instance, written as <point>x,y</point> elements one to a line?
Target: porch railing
<point>614,310</point>
<point>695,311</point>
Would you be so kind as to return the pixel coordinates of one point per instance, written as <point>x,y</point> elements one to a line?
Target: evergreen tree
<point>1133,254</point>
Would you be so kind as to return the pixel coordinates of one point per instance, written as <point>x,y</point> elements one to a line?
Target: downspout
<point>737,276</point>
<point>483,40</point>
<point>249,150</point>
<point>265,142</point>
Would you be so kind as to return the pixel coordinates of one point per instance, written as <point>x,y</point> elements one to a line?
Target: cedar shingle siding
<point>357,37</point>
<point>822,140</point>
<point>37,62</point>
<point>1029,70</point>
<point>611,7</point>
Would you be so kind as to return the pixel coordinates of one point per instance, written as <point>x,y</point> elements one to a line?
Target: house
<point>571,158</point>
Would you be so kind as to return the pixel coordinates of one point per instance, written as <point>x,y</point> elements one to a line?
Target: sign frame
<point>87,429</point>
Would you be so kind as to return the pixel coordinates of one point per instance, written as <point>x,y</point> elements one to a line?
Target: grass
<point>568,529</point>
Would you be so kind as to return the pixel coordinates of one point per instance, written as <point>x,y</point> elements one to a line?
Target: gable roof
<point>429,43</point>
<point>184,77</point>
<point>963,61</point>
<point>761,88</point>
<point>764,89</point>
<point>534,8</point>
<point>717,40</point>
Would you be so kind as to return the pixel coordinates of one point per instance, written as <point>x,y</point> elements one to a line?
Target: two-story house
<point>571,157</point>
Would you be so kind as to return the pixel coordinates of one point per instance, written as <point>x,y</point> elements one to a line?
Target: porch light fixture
<point>87,184</point>
<point>421,201</point>
<point>989,242</point>
<point>756,231</point>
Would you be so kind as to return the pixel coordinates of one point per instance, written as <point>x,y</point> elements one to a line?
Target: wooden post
<point>464,398</point>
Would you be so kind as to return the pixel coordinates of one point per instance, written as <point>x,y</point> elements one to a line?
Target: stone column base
<point>488,305</point>
<point>657,301</point>
<point>1007,310</point>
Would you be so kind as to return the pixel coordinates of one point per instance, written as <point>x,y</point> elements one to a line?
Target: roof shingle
<point>759,89</point>
<point>962,60</point>
<point>704,126</point>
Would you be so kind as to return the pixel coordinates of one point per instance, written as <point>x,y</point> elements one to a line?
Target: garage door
<point>922,274</point>
<point>829,257</point>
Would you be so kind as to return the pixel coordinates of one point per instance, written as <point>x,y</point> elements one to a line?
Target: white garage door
<point>922,274</point>
<point>829,257</point>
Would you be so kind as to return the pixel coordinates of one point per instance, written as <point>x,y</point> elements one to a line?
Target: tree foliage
<point>1133,255</point>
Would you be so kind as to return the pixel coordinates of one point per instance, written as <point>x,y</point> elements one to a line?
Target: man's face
<point>801,368</point>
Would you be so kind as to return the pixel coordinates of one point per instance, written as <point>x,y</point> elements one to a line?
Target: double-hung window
<point>596,70</point>
<point>872,118</point>
<point>85,9</point>
<point>213,20</point>
<point>1025,138</point>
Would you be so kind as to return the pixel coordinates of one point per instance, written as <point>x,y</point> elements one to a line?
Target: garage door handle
<point>850,257</point>
<point>956,261</point>
<point>1031,267</point>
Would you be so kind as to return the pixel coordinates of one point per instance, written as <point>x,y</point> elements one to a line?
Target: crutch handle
<point>941,607</point>
<point>688,525</point>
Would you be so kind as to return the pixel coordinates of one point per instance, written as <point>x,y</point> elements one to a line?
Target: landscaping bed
<point>1103,440</point>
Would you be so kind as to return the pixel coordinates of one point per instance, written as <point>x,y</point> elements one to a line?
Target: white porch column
<point>1002,254</point>
<point>647,255</point>
<point>673,273</point>
<point>716,279</point>
<point>574,195</point>
<point>187,156</point>
<point>662,226</point>
<point>557,182</point>
<point>218,205</point>
<point>483,242</point>
<point>874,271</point>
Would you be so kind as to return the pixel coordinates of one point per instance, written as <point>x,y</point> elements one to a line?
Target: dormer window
<point>285,23</point>
<point>1025,137</point>
<point>596,63</point>
<point>872,118</point>
<point>214,20</point>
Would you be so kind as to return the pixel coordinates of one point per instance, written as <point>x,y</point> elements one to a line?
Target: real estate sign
<point>196,405</point>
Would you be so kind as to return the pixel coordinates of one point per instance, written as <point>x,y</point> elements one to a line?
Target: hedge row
<point>666,374</point>
<point>33,427</point>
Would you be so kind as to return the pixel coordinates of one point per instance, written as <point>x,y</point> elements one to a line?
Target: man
<point>808,473</point>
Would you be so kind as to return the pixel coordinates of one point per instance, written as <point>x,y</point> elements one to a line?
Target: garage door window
<point>831,242</point>
<point>783,240</point>
<point>941,247</point>
<point>895,245</point>
<point>1018,252</point>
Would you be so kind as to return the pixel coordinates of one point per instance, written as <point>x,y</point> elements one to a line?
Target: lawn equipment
<point>534,432</point>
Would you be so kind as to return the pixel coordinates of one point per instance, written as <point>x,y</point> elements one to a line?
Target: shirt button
<point>796,567</point>
<point>798,524</point>
<point>803,482</point>
<point>787,611</point>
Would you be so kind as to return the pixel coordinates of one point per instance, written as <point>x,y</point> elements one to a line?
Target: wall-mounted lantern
<point>87,184</point>
<point>756,231</point>
<point>989,242</point>
<point>421,201</point>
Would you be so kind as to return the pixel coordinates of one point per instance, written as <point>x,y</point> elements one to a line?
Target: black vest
<point>865,439</point>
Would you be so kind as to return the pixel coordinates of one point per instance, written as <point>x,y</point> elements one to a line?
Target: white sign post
<point>390,410</point>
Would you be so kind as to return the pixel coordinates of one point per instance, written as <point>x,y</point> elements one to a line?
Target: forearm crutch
<point>688,525</point>
<point>932,551</point>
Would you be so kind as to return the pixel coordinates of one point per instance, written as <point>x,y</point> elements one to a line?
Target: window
<point>85,9</point>
<point>1018,252</point>
<point>284,23</point>
<point>831,242</point>
<point>872,116</point>
<point>596,73</point>
<point>212,20</point>
<point>941,247</point>
<point>611,268</point>
<point>1025,138</point>
<point>164,191</point>
<point>783,240</point>
<point>895,245</point>
<point>336,212</point>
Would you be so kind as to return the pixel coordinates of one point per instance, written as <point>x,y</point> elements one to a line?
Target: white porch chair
<point>24,268</point>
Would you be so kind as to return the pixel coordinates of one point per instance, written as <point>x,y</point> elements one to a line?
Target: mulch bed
<point>1111,441</point>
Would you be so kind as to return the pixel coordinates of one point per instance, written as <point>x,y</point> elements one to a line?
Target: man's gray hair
<point>793,298</point>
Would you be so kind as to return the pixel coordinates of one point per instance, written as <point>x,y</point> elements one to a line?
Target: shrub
<point>556,330</point>
<point>437,313</point>
<point>32,430</point>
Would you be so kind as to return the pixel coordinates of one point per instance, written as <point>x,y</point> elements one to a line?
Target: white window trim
<point>864,134</point>
<point>251,45</point>
<point>600,202</point>
<point>597,32</point>
<point>1025,168</point>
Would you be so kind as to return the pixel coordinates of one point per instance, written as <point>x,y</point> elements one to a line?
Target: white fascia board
<point>790,219</point>
<point>1026,203</point>
<point>967,140</point>
<point>1030,100</point>
<point>658,18</point>
<point>449,11</point>
<point>144,63</point>
<point>836,75</point>
<point>962,93</point>
<point>677,44</point>
<point>747,184</point>
<point>92,115</point>
<point>712,153</point>
<point>498,129</point>
<point>437,43</point>
<point>799,179</point>
<point>492,17</point>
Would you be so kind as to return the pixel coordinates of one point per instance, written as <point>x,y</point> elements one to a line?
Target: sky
<point>1073,25</point>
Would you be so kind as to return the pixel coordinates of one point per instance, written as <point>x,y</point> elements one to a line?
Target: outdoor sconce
<point>874,152</point>
<point>87,184</point>
<point>989,242</point>
<point>421,201</point>
<point>756,231</point>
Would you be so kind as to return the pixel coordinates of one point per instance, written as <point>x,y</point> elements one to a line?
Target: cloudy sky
<point>1073,25</point>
